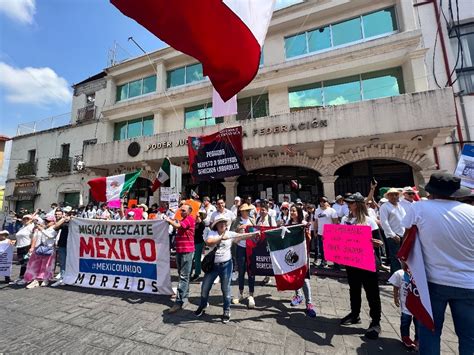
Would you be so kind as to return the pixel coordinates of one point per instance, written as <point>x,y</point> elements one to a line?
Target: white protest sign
<point>165,193</point>
<point>6,258</point>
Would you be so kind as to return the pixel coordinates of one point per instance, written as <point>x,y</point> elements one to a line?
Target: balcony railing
<point>26,169</point>
<point>86,113</point>
<point>59,165</point>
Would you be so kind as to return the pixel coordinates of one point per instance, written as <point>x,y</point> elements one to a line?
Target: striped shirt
<point>185,235</point>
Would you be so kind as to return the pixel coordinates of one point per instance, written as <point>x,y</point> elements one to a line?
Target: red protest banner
<point>217,155</point>
<point>349,245</point>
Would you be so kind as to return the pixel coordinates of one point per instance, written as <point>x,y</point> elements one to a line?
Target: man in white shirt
<point>446,234</point>
<point>236,205</point>
<point>209,208</point>
<point>408,198</point>
<point>391,215</point>
<point>340,207</point>
<point>322,216</point>
<point>222,212</point>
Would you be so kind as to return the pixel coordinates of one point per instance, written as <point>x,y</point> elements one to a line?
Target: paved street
<point>87,321</point>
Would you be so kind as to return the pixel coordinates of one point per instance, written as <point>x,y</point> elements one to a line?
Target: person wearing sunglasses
<point>409,197</point>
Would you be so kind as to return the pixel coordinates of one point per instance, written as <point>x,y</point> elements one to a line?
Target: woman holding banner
<point>358,278</point>
<point>297,217</point>
<point>222,239</point>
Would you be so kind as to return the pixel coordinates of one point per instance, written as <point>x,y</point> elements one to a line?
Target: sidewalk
<point>80,320</point>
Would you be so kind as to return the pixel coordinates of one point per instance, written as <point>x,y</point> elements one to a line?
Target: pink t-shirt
<point>185,236</point>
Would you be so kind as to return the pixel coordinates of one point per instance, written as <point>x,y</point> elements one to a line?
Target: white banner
<point>119,255</point>
<point>6,258</point>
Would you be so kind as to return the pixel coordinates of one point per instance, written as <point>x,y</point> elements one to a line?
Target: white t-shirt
<point>341,210</point>
<point>401,279</point>
<point>23,236</point>
<point>446,232</point>
<point>244,222</point>
<point>226,214</point>
<point>391,219</point>
<point>46,237</point>
<point>324,217</point>
<point>372,213</point>
<point>223,252</point>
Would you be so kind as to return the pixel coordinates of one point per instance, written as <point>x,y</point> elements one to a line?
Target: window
<point>138,127</point>
<point>252,107</point>
<point>462,41</point>
<point>280,4</point>
<point>90,98</point>
<point>32,155</point>
<point>355,88</point>
<point>200,116</point>
<point>184,75</point>
<point>136,88</point>
<point>367,26</point>
<point>65,150</point>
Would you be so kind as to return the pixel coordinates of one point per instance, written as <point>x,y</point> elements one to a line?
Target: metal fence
<point>44,124</point>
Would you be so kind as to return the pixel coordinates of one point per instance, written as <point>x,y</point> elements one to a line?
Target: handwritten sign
<point>349,245</point>
<point>165,193</point>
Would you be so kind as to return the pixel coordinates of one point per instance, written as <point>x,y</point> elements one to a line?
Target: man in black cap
<point>446,234</point>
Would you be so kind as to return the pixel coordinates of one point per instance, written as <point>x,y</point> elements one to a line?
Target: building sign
<point>24,191</point>
<point>257,131</point>
<point>216,156</point>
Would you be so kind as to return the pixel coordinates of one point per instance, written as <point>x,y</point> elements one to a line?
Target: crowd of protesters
<point>444,220</point>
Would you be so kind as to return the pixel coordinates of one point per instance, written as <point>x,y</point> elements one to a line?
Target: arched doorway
<point>356,176</point>
<point>214,188</point>
<point>277,181</point>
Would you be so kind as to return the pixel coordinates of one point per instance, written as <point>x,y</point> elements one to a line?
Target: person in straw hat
<point>446,234</point>
<point>221,239</point>
<point>391,215</point>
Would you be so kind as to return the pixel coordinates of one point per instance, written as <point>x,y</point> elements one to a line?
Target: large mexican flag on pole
<point>289,256</point>
<point>112,188</point>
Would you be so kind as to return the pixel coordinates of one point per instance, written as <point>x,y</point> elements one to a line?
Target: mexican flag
<point>289,256</point>
<point>112,188</point>
<point>163,175</point>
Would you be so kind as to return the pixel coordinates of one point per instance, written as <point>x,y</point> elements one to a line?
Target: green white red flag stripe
<point>289,256</point>
<point>163,175</point>
<point>112,188</point>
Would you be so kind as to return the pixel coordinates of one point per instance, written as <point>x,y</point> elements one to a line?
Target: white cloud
<point>19,10</point>
<point>39,86</point>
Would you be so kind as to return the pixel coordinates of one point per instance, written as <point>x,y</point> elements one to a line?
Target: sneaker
<point>32,284</point>
<point>60,282</point>
<point>350,319</point>
<point>266,281</point>
<point>237,300</point>
<point>58,276</point>
<point>409,344</point>
<point>235,276</point>
<point>310,311</point>
<point>44,283</point>
<point>20,282</point>
<point>226,317</point>
<point>374,331</point>
<point>382,267</point>
<point>195,278</point>
<point>176,307</point>
<point>296,300</point>
<point>323,264</point>
<point>251,301</point>
<point>200,311</point>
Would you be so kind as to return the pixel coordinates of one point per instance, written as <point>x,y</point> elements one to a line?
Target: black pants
<point>21,252</point>
<point>369,280</point>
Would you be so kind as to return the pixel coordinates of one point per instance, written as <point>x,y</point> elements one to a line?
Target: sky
<point>48,45</point>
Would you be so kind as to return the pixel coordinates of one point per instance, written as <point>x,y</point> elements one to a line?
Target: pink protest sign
<point>349,245</point>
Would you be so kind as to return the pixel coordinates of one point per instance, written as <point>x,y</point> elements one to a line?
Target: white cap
<point>237,198</point>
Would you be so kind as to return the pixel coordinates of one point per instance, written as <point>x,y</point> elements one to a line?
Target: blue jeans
<point>393,248</point>
<point>184,263</point>
<point>62,253</point>
<point>241,256</point>
<point>224,271</point>
<point>405,323</point>
<point>461,303</point>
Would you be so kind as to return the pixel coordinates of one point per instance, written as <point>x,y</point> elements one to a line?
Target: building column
<point>157,120</point>
<point>230,185</point>
<point>278,101</point>
<point>110,91</point>
<point>406,13</point>
<point>328,186</point>
<point>160,77</point>
<point>415,73</point>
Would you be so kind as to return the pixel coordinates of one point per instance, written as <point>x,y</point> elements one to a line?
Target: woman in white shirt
<point>42,255</point>
<point>222,239</point>
<point>23,244</point>
<point>358,278</point>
